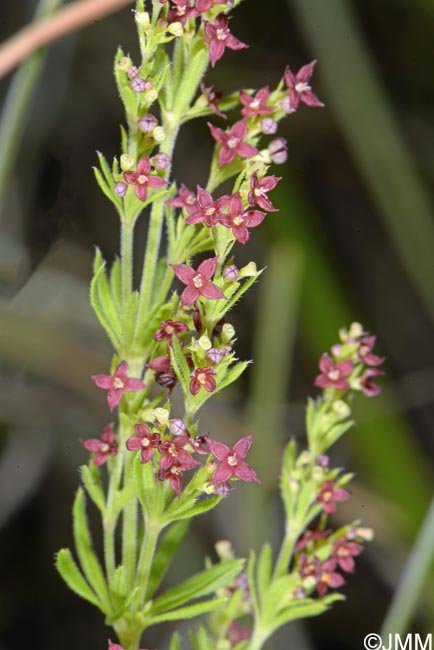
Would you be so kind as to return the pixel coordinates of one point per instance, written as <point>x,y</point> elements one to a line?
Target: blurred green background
<point>354,240</point>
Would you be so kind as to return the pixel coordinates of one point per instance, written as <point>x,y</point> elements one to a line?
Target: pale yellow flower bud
<point>125,63</point>
<point>224,549</point>
<point>142,18</point>
<point>162,415</point>
<point>150,95</point>
<point>341,408</point>
<point>248,271</point>
<point>159,134</point>
<point>176,29</point>
<point>126,162</point>
<point>205,343</point>
<point>228,332</point>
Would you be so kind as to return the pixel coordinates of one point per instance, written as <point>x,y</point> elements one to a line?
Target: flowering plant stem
<point>184,342</point>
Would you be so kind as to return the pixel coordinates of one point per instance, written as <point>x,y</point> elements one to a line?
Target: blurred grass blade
<point>408,593</point>
<point>18,103</point>
<point>355,94</point>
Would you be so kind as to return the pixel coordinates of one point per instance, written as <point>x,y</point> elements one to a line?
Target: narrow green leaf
<point>92,483</point>
<point>180,365</point>
<point>88,560</point>
<point>99,309</point>
<point>304,609</point>
<point>188,612</point>
<point>175,643</point>
<point>105,170</point>
<point>278,596</point>
<point>188,86</point>
<point>199,509</point>
<point>264,570</point>
<point>201,584</point>
<point>252,583</point>
<point>118,585</point>
<point>73,578</point>
<point>164,555</point>
<point>202,640</point>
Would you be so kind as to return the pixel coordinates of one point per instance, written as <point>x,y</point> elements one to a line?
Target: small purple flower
<point>231,273</point>
<point>118,384</point>
<point>202,378</point>
<point>366,382</point>
<point>103,447</point>
<point>133,72</point>
<point>185,199</point>
<point>177,427</point>
<point>365,353</point>
<point>268,126</point>
<point>145,441</point>
<point>232,461</point>
<point>257,105</point>
<point>240,220</point>
<point>215,355</point>
<point>329,578</point>
<point>232,142</point>
<point>212,97</point>
<point>219,37</point>
<point>334,374</point>
<point>168,329</point>
<point>343,554</point>
<point>121,188</point>
<point>161,161</point>
<point>207,210</point>
<point>330,495</point>
<point>147,123</point>
<point>138,84</point>
<point>142,179</point>
<point>299,88</point>
<point>173,453</point>
<point>278,151</point>
<point>259,189</point>
<point>198,281</point>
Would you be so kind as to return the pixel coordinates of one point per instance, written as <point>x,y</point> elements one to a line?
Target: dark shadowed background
<point>354,240</point>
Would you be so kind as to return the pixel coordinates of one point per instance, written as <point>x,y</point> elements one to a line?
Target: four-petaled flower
<point>202,378</point>
<point>309,567</point>
<point>198,281</point>
<point>232,142</point>
<point>173,453</point>
<point>103,447</point>
<point>232,461</point>
<point>168,329</point>
<point>142,178</point>
<point>241,220</point>
<point>145,441</point>
<point>343,554</point>
<point>181,11</point>
<point>334,374</point>
<point>330,495</point>
<point>218,37</point>
<point>299,88</point>
<point>256,105</point>
<point>212,98</point>
<point>208,210</point>
<point>184,199</point>
<point>259,189</point>
<point>367,384</point>
<point>173,474</point>
<point>329,578</point>
<point>118,384</point>
<point>365,354</point>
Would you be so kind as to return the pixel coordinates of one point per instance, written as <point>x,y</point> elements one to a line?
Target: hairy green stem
<point>149,545</point>
<point>285,553</point>
<point>407,595</point>
<point>129,531</point>
<point>127,242</point>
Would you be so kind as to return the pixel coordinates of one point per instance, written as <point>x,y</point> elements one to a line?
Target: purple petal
<point>132,384</point>
<point>244,472</point>
<point>133,444</point>
<point>103,381</point>
<point>218,449</point>
<point>207,268</point>
<point>184,273</point>
<point>211,291</point>
<point>114,396</point>
<point>222,473</point>
<point>243,445</point>
<point>189,295</point>
<point>226,155</point>
<point>247,150</point>
<point>305,73</point>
